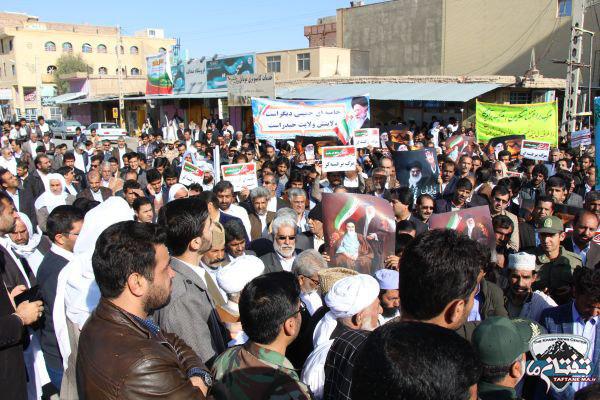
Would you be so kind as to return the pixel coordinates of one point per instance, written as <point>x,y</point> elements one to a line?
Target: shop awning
<point>64,98</point>
<point>203,95</point>
<point>451,92</point>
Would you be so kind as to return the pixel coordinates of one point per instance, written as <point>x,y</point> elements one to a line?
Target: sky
<point>205,27</point>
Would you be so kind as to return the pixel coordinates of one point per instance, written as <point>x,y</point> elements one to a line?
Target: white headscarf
<point>77,293</point>
<point>49,199</point>
<point>173,191</point>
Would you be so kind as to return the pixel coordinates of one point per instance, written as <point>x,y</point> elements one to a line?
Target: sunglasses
<point>300,309</point>
<point>282,238</point>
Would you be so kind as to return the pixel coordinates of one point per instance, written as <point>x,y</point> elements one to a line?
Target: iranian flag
<point>346,212</point>
<point>453,221</point>
<point>342,131</point>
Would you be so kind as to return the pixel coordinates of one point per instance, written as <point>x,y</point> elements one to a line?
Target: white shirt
<point>10,165</point>
<point>313,373</point>
<point>263,223</point>
<point>272,204</point>
<point>15,198</point>
<point>312,301</point>
<point>121,152</point>
<point>66,254</point>
<point>587,329</point>
<point>286,264</point>
<point>97,195</point>
<point>241,213</point>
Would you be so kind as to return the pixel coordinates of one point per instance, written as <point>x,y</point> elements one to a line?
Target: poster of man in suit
<point>359,230</point>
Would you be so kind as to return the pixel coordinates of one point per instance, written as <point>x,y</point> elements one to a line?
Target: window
<point>51,69</point>
<point>101,48</point>
<point>1,46</point>
<point>122,71</point>
<point>273,63</point>
<point>10,45</point>
<point>162,50</point>
<point>102,71</point>
<point>50,46</point>
<point>119,47</point>
<point>67,47</point>
<point>520,98</point>
<point>31,114</point>
<point>303,62</point>
<point>14,70</point>
<point>86,48</point>
<point>135,71</point>
<point>134,50</point>
<point>564,8</point>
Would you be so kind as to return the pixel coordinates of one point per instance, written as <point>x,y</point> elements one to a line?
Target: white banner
<point>366,137</point>
<point>190,174</point>
<point>195,76</point>
<point>241,88</point>
<point>535,150</point>
<point>240,175</point>
<point>339,158</point>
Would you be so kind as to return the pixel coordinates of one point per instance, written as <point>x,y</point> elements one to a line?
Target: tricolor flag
<point>453,221</point>
<point>346,212</point>
<point>343,131</point>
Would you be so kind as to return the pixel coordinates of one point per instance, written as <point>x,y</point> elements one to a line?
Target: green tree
<point>68,64</point>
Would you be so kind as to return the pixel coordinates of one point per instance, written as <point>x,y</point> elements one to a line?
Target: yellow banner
<point>538,122</point>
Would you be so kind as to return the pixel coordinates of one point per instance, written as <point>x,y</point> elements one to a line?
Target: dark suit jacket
<point>420,225</point>
<point>272,263</point>
<point>26,205</point>
<point>47,277</point>
<point>560,320</point>
<point>80,139</point>
<point>34,185</point>
<point>11,274</point>
<point>87,193</point>
<point>449,189</point>
<point>526,236</point>
<point>13,376</point>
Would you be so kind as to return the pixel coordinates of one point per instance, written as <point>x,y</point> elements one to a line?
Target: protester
<point>270,314</point>
<point>389,296</point>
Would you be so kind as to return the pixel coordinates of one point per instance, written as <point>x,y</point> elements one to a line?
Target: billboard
<point>159,79</point>
<point>218,70</point>
<point>241,88</point>
<point>195,76</point>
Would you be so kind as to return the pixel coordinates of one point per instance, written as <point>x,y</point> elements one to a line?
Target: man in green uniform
<point>270,312</point>
<point>502,344</point>
<point>554,264</point>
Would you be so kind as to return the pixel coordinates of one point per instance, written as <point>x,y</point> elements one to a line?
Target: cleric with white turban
<point>353,304</point>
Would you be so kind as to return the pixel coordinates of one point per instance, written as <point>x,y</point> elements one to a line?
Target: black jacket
<point>34,185</point>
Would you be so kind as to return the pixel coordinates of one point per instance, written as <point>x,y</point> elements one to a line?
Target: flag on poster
<point>286,119</point>
<point>346,212</point>
<point>366,137</point>
<point>538,151</point>
<point>190,174</point>
<point>159,79</point>
<point>339,158</point>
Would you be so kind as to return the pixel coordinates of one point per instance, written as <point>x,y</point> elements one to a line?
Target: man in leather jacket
<point>122,353</point>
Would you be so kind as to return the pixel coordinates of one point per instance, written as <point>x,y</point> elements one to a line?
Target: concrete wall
<point>324,62</point>
<point>403,37</point>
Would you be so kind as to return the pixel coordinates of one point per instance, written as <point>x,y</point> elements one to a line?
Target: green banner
<point>538,122</point>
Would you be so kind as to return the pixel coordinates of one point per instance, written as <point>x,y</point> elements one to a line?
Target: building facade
<point>30,48</point>
<point>464,37</point>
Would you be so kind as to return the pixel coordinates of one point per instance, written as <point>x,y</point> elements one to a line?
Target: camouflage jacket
<point>253,372</point>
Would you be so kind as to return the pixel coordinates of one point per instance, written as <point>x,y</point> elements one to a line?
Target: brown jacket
<point>120,358</point>
<point>255,226</point>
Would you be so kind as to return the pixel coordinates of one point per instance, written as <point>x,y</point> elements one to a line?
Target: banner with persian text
<point>159,78</point>
<point>286,119</point>
<point>538,122</point>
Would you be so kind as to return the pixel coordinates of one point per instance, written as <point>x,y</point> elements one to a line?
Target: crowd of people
<point>122,283</point>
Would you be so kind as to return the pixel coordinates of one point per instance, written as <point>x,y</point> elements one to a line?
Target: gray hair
<point>104,164</point>
<point>296,192</point>
<point>80,146</point>
<point>259,191</point>
<point>280,222</point>
<point>308,263</point>
<point>287,212</point>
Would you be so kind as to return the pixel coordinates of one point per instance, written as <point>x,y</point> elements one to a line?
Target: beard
<point>369,324</point>
<point>389,311</point>
<point>286,251</point>
<point>413,181</point>
<point>156,298</point>
<point>207,179</point>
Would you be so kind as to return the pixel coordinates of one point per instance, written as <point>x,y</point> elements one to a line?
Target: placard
<point>190,174</point>
<point>241,88</point>
<point>538,151</point>
<point>240,175</point>
<point>366,137</point>
<point>581,138</point>
<point>474,222</point>
<point>339,158</point>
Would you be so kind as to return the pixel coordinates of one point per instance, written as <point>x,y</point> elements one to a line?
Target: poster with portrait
<point>458,145</point>
<point>511,143</point>
<point>475,222</point>
<point>419,170</point>
<point>359,231</point>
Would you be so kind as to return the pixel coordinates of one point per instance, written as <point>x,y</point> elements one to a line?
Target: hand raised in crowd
<point>244,193</point>
<point>392,262</point>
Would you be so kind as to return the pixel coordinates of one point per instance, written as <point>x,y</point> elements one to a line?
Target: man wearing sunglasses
<point>500,200</point>
<point>284,246</point>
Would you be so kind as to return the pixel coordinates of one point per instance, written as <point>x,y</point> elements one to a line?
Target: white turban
<point>206,167</point>
<point>173,191</point>
<point>523,261</point>
<point>347,297</point>
<point>234,276</point>
<point>351,295</point>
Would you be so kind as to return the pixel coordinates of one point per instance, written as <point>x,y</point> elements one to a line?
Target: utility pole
<point>574,66</point>
<point>120,78</point>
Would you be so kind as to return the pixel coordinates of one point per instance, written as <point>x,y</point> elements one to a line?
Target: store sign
<point>241,88</point>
